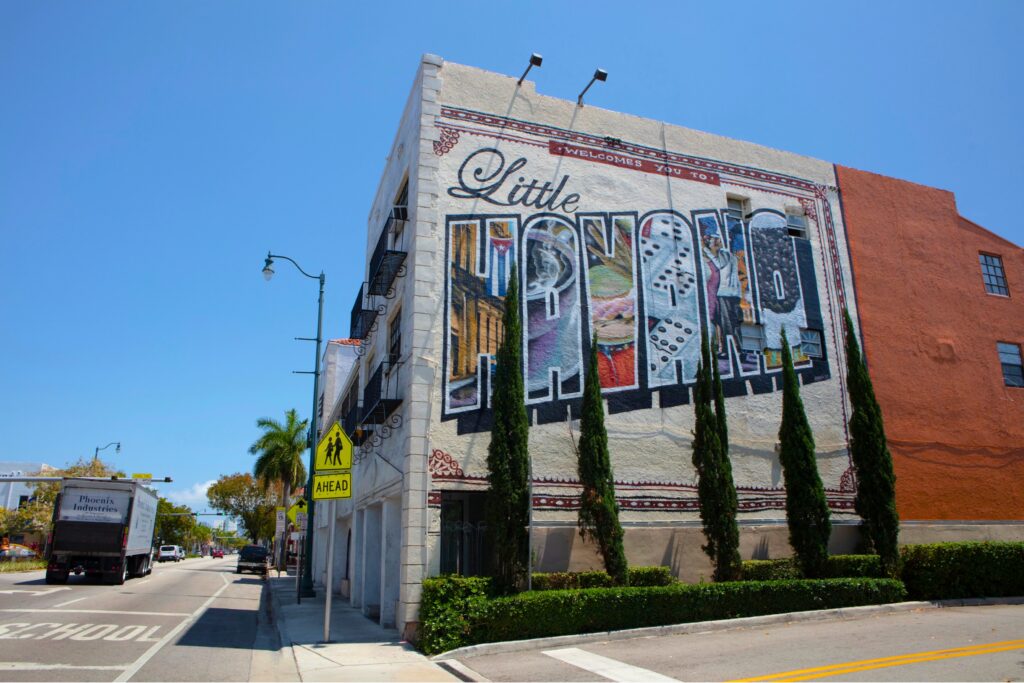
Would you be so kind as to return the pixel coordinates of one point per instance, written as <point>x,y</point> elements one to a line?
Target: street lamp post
<point>306,582</point>
<point>96,454</point>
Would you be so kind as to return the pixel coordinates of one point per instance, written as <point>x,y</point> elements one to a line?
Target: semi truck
<point>102,528</point>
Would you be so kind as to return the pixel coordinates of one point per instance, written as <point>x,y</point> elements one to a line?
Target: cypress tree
<point>507,507</point>
<point>715,489</point>
<point>598,514</point>
<point>806,508</point>
<point>876,482</point>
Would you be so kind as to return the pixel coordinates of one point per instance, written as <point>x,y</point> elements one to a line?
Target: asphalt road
<point>194,620</point>
<point>984,643</point>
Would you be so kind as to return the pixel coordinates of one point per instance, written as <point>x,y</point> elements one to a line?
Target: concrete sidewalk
<point>360,649</point>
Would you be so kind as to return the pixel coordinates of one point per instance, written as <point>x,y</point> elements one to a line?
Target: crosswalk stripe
<point>612,669</point>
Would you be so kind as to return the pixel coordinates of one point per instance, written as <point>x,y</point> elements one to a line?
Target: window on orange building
<point>1013,369</point>
<point>993,274</point>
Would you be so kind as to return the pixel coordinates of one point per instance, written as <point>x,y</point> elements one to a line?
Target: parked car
<point>170,553</point>
<point>217,553</point>
<point>253,558</point>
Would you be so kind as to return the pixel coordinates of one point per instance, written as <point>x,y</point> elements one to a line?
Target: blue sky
<point>151,153</point>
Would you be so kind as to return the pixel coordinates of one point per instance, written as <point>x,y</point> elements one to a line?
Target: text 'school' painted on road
<point>55,631</point>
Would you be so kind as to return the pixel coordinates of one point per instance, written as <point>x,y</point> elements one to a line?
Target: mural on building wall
<point>646,283</point>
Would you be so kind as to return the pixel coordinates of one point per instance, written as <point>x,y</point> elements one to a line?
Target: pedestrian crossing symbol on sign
<point>334,452</point>
<point>335,485</point>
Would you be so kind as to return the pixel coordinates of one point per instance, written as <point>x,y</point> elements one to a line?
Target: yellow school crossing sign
<point>334,452</point>
<point>332,485</point>
<point>332,467</point>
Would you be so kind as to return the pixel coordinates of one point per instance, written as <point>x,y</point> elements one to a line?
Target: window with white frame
<point>796,223</point>
<point>752,337</point>
<point>1010,359</point>
<point>993,274</point>
<point>394,339</point>
<point>737,207</point>
<point>810,343</point>
<point>399,215</point>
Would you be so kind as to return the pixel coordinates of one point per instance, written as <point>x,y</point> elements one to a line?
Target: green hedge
<point>638,576</point>
<point>942,571</point>
<point>456,612</point>
<point>837,567</point>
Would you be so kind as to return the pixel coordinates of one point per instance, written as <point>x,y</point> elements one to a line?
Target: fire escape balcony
<point>381,396</point>
<point>363,316</point>
<point>386,264</point>
<point>350,423</point>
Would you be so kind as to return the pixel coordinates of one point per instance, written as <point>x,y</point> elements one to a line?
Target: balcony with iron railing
<point>386,263</point>
<point>350,423</point>
<point>363,315</point>
<point>381,396</point>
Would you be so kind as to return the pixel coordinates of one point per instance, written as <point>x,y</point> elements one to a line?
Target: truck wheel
<point>56,577</point>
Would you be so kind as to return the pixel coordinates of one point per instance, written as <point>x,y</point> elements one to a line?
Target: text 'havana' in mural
<point>645,282</point>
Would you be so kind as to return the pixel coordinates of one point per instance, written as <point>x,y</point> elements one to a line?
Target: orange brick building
<point>935,312</point>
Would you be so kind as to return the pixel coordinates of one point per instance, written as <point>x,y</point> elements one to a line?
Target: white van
<point>170,553</point>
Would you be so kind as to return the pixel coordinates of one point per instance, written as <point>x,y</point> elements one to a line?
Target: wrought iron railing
<point>381,396</point>
<point>363,315</point>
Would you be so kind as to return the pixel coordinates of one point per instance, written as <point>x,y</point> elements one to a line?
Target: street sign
<point>142,475</point>
<point>334,452</point>
<point>333,485</point>
<point>300,521</point>
<point>280,520</point>
<point>295,509</point>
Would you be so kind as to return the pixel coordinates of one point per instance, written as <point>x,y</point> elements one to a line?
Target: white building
<point>13,493</point>
<point>631,229</point>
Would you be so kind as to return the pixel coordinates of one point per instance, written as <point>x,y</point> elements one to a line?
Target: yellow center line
<point>882,662</point>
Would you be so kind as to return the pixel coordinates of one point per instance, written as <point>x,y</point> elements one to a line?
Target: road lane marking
<point>20,630</point>
<point>62,604</point>
<point>605,667</point>
<point>883,662</point>
<point>34,666</point>
<point>28,610</point>
<point>148,654</point>
<point>46,591</point>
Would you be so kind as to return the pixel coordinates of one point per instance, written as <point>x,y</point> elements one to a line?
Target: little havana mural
<point>645,284</point>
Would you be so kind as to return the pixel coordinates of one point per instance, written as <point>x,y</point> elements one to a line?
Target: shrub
<point>836,567</point>
<point>941,571</point>
<point>446,609</point>
<point>560,612</point>
<point>638,576</point>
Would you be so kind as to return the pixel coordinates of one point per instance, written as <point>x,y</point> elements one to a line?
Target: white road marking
<point>27,610</point>
<point>36,593</point>
<point>62,604</point>
<point>148,654</point>
<point>612,669</point>
<point>33,666</point>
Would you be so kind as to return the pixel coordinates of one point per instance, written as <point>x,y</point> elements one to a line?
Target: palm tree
<point>279,453</point>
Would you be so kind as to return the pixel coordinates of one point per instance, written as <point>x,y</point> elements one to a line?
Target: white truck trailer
<point>102,528</point>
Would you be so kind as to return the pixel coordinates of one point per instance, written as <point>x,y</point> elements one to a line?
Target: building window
<point>394,339</point>
<point>399,214</point>
<point>993,274</point>
<point>752,337</point>
<point>810,343</point>
<point>796,223</point>
<point>780,287</point>
<point>1009,358</point>
<point>736,207</point>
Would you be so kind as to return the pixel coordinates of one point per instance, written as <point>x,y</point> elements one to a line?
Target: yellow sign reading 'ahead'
<point>327,486</point>
<point>334,452</point>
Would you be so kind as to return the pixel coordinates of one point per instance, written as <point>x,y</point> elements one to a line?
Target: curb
<point>717,625</point>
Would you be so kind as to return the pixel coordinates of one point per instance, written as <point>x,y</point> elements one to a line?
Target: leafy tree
<point>174,523</point>
<point>599,513</point>
<point>715,488</point>
<point>240,496</point>
<point>876,482</point>
<point>279,453</point>
<point>806,507</point>
<point>507,509</point>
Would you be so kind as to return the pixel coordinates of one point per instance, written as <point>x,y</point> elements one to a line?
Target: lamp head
<point>268,271</point>
<point>601,75</point>
<point>536,59</point>
<point>118,449</point>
